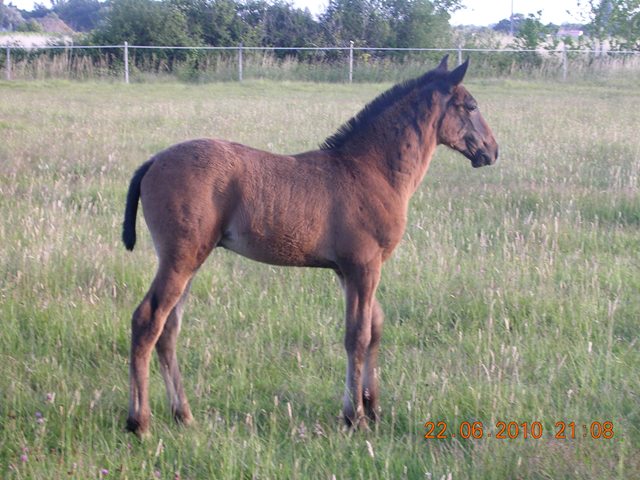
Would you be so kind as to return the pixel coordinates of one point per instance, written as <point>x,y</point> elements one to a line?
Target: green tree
<point>389,23</point>
<point>143,22</point>
<point>10,17</point>
<point>224,26</point>
<point>617,21</point>
<point>81,15</point>
<point>31,26</point>
<point>531,33</point>
<point>418,23</point>
<point>146,23</point>
<point>448,6</point>
<point>362,21</point>
<point>217,23</point>
<point>504,25</point>
<point>281,25</point>
<point>370,23</point>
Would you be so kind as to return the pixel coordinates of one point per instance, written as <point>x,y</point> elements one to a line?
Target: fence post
<point>564,62</point>
<point>240,62</point>
<point>8,65</point>
<point>126,62</point>
<point>351,61</point>
<point>459,54</point>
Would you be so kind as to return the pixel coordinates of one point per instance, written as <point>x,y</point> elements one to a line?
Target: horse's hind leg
<point>166,349</point>
<point>147,325</point>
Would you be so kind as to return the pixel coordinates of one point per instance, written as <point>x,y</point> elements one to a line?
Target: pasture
<point>514,296</point>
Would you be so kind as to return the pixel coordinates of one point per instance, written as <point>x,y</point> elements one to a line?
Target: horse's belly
<point>287,249</point>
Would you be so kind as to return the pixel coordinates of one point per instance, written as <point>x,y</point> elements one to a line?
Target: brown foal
<point>342,207</point>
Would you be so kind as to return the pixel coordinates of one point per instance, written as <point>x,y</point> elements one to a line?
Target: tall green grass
<point>369,66</point>
<point>513,297</point>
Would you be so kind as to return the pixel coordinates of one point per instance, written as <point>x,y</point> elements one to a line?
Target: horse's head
<point>461,126</point>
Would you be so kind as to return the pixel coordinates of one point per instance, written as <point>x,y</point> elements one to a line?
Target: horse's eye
<point>471,106</point>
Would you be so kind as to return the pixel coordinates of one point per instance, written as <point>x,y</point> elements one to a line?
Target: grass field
<point>514,296</point>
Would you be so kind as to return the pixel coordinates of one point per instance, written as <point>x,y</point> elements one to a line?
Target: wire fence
<point>338,64</point>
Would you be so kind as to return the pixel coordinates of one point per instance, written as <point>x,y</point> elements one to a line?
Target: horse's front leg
<point>360,283</point>
<point>370,381</point>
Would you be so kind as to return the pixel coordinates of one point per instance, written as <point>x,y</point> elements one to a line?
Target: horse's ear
<point>457,74</point>
<point>443,65</point>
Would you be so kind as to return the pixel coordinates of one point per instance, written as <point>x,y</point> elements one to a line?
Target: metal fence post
<point>459,54</point>
<point>564,62</point>
<point>126,62</point>
<point>351,61</point>
<point>8,65</point>
<point>240,62</point>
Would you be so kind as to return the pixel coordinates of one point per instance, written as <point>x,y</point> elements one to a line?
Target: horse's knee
<point>377,319</point>
<point>356,343</point>
<point>168,338</point>
<point>146,324</point>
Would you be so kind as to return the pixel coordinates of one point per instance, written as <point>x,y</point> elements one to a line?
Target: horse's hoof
<point>359,423</point>
<point>138,428</point>
<point>183,418</point>
<point>373,414</point>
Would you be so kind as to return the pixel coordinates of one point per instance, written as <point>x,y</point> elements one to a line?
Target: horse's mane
<point>365,117</point>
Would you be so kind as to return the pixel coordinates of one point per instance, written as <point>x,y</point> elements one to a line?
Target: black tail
<point>131,210</point>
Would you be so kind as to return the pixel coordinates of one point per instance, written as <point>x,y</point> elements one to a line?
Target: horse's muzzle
<point>485,157</point>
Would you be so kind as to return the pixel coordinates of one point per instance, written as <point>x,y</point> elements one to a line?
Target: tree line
<point>259,23</point>
<point>277,23</point>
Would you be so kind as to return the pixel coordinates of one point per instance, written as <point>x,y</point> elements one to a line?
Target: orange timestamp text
<point>512,430</point>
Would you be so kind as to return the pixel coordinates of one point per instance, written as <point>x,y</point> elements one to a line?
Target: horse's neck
<point>402,144</point>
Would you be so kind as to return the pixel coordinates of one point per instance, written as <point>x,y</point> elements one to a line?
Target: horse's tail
<point>131,209</point>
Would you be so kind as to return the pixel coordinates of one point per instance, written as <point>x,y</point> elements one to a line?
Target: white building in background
<point>572,33</point>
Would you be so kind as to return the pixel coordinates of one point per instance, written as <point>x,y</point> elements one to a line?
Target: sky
<point>487,12</point>
<point>476,12</point>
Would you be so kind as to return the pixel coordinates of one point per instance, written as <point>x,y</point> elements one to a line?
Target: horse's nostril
<point>497,148</point>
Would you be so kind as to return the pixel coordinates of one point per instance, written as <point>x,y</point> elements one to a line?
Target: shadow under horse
<point>342,207</point>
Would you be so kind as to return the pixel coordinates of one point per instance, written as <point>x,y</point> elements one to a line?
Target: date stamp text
<point>562,430</point>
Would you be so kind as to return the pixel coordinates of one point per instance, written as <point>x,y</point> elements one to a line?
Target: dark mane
<point>378,105</point>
